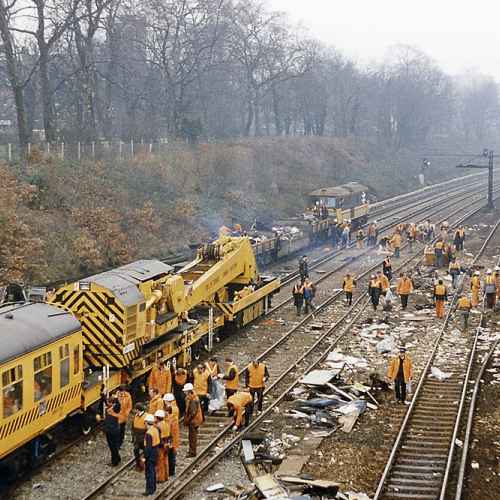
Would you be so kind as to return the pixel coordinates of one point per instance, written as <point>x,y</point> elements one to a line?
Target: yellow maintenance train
<point>57,358</point>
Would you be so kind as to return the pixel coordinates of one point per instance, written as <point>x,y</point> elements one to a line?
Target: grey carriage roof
<point>343,190</point>
<point>123,281</point>
<point>27,327</point>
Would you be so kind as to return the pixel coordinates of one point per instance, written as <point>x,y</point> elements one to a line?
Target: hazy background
<point>459,35</point>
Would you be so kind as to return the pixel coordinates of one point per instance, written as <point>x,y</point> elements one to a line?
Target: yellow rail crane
<point>144,312</point>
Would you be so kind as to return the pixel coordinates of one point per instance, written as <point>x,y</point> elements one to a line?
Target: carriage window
<point>64,366</point>
<point>76,359</point>
<point>12,391</point>
<point>43,375</point>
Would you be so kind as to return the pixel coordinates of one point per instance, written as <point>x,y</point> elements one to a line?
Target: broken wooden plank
<point>269,487</point>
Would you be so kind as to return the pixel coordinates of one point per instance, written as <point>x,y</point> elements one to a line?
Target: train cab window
<point>42,366</point>
<point>64,365</point>
<point>76,359</point>
<point>12,391</point>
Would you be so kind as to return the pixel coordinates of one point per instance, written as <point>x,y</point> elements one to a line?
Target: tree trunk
<point>13,76</point>
<point>48,112</point>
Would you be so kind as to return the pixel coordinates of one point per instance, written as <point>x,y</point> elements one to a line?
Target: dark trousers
<point>259,392</point>
<point>309,304</point>
<point>193,439</point>
<point>113,439</point>
<point>491,299</point>
<point>171,462</point>
<point>397,253</point>
<point>151,473</point>
<point>400,388</point>
<point>439,259</point>
<point>388,273</point>
<point>348,298</point>
<point>204,402</point>
<point>230,392</point>
<point>465,317</point>
<point>123,427</point>
<point>248,414</point>
<point>138,448</point>
<point>404,301</point>
<point>180,400</point>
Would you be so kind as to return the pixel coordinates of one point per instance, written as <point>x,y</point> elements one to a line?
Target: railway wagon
<point>41,370</point>
<point>344,203</point>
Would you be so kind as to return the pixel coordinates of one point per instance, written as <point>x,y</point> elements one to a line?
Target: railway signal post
<point>490,155</point>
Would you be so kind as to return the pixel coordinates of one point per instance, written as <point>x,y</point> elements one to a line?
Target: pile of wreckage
<point>325,405</point>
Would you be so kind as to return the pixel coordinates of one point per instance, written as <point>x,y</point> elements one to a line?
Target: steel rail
<point>272,348</point>
<point>424,373</point>
<point>472,408</point>
<point>427,203</point>
<point>291,277</point>
<point>449,463</point>
<point>208,448</point>
<point>179,489</point>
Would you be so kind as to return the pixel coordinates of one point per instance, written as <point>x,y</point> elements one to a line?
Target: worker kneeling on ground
<point>241,405</point>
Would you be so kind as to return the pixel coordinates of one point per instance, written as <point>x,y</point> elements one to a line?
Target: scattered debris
<point>440,375</point>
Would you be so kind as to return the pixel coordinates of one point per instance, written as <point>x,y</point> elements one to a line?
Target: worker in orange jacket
<point>241,405</point>
<point>256,377</point>
<point>384,281</point>
<point>202,383</point>
<point>396,244</point>
<point>475,287</point>
<point>401,373</point>
<point>404,288</point>
<point>440,297</point>
<point>193,418</point>
<point>160,378</point>
<point>125,400</point>
<point>155,402</point>
<point>138,432</point>
<point>172,413</point>
<point>163,426</point>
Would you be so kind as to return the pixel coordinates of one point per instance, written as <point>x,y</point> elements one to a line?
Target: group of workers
<point>176,394</point>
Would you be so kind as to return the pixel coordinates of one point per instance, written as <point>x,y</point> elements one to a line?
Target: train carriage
<point>41,374</point>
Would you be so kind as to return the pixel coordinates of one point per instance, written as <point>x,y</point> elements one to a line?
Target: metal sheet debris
<point>318,377</point>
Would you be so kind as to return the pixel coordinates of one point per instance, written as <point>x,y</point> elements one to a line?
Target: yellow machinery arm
<point>227,260</point>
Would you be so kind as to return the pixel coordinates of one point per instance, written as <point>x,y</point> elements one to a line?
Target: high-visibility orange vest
<point>256,375</point>
<point>440,291</point>
<point>439,245</point>
<point>405,286</point>
<point>475,283</point>
<point>348,284</point>
<point>233,384</point>
<point>464,303</point>
<point>384,281</point>
<point>239,401</point>
<point>155,435</point>
<point>164,428</point>
<point>139,422</point>
<point>201,382</point>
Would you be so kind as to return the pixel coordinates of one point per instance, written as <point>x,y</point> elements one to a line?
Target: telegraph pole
<point>487,153</point>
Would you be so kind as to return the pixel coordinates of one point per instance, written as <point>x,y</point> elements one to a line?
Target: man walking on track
<point>401,373</point>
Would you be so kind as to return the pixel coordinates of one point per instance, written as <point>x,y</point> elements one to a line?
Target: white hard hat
<point>160,414</point>
<point>188,387</point>
<point>477,273</point>
<point>488,271</point>
<point>497,268</point>
<point>149,419</point>
<point>169,397</point>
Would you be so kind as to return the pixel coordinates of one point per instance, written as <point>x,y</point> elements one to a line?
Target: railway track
<point>422,457</point>
<point>276,392</point>
<point>218,422</point>
<point>281,366</point>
